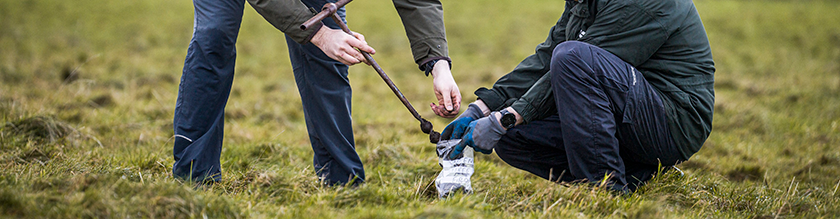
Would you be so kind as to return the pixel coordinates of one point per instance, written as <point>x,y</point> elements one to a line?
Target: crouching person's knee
<point>568,61</point>
<point>569,52</point>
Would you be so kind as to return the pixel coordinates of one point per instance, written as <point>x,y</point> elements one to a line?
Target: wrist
<point>482,106</point>
<point>318,36</point>
<point>473,111</point>
<point>507,120</point>
<point>428,64</point>
<point>313,30</point>
<point>441,69</point>
<point>519,118</point>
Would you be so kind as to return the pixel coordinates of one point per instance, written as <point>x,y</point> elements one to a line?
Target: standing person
<point>617,88</point>
<point>320,57</point>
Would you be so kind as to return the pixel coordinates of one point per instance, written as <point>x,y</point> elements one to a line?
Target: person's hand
<point>341,46</point>
<point>481,134</point>
<point>456,128</point>
<point>446,90</point>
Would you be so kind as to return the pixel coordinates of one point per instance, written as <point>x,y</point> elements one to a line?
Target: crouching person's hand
<point>457,128</point>
<point>482,135</point>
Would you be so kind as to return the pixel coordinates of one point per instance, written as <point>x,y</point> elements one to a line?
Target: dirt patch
<point>69,74</point>
<point>100,101</point>
<point>744,173</point>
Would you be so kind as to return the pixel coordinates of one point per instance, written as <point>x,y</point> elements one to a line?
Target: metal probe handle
<point>325,12</point>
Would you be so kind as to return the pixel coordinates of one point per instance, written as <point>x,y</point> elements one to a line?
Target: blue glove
<point>482,135</point>
<point>455,129</point>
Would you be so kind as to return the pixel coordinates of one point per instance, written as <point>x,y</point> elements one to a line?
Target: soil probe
<point>329,10</point>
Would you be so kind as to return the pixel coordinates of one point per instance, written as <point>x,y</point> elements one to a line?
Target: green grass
<point>88,88</point>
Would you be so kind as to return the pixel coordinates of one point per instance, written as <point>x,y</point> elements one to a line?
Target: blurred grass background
<point>87,91</point>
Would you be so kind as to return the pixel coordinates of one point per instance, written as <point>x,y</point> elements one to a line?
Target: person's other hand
<point>446,90</point>
<point>456,128</point>
<point>342,46</point>
<point>481,134</point>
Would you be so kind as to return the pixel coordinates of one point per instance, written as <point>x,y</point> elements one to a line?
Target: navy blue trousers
<point>610,123</point>
<point>205,87</point>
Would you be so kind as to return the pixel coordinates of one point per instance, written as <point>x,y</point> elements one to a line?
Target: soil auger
<point>329,10</point>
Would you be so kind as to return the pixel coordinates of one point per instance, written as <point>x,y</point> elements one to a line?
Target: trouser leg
<point>536,147</point>
<point>610,116</point>
<point>204,89</point>
<point>326,96</point>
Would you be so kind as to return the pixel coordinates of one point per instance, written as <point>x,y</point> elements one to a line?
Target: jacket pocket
<point>621,97</point>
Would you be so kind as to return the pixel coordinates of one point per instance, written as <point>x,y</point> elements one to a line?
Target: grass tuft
<point>39,128</point>
<point>10,204</point>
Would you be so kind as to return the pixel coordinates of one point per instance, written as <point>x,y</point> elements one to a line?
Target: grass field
<point>88,88</point>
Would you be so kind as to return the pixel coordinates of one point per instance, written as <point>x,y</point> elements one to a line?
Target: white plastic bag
<point>456,172</point>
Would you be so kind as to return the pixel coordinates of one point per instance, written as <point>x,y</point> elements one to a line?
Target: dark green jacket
<point>664,39</point>
<point>423,21</point>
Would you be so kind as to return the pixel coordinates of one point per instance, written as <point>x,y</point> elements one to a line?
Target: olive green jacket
<point>423,21</point>
<point>664,39</point>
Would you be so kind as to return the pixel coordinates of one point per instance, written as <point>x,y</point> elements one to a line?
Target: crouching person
<point>617,89</point>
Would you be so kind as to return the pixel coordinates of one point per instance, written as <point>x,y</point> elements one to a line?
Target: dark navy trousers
<point>610,123</point>
<point>205,87</point>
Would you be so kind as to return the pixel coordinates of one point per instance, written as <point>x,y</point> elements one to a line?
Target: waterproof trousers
<point>206,83</point>
<point>610,123</point>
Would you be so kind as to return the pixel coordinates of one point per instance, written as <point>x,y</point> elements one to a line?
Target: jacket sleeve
<point>527,87</point>
<point>287,16</point>
<point>423,22</point>
<point>628,31</point>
